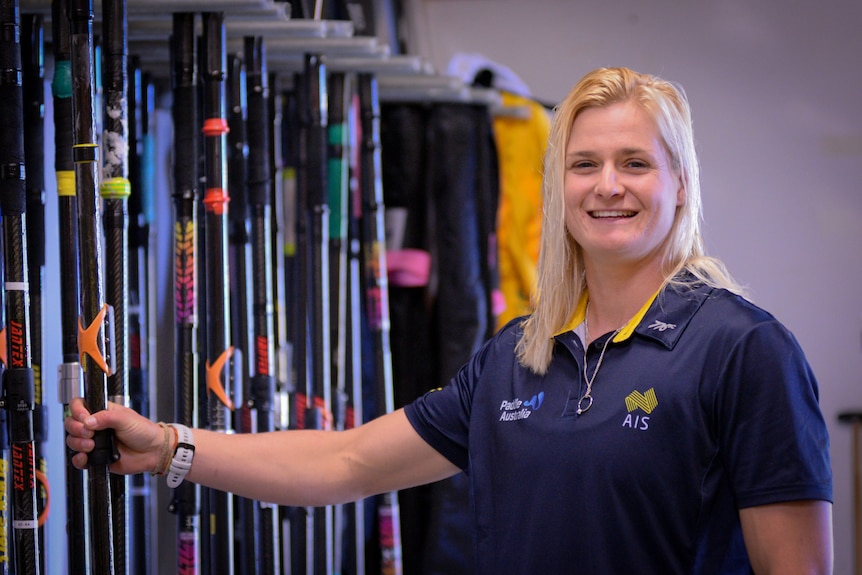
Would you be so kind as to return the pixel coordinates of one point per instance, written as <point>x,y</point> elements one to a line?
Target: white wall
<point>775,88</point>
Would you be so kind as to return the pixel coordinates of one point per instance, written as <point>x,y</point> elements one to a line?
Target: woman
<point>644,419</point>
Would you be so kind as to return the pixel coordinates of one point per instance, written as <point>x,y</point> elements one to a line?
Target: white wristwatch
<point>182,461</point>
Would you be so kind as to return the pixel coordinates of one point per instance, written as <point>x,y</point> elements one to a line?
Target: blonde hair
<point>561,267</point>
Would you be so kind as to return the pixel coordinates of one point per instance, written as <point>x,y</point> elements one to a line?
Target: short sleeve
<point>773,439</point>
<point>442,416</point>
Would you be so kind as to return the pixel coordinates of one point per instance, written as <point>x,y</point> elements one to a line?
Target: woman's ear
<point>681,191</point>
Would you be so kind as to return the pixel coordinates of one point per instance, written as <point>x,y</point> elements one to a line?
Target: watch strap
<point>183,455</point>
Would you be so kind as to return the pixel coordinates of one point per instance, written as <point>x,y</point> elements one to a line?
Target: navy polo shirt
<point>703,406</point>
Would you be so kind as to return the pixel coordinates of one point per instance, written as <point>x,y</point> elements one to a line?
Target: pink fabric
<point>408,267</point>
<point>498,302</point>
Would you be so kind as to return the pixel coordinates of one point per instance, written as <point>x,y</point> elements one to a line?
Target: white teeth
<point>611,214</point>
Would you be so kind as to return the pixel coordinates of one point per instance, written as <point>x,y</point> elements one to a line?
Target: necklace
<point>586,401</point>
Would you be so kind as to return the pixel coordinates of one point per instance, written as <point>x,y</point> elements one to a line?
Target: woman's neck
<point>617,295</point>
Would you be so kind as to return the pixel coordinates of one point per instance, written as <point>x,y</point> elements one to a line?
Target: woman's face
<point>621,191</point>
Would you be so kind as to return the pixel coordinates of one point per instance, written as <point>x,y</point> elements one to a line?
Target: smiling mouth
<point>609,214</point>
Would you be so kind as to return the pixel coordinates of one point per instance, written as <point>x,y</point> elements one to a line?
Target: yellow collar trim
<point>627,330</point>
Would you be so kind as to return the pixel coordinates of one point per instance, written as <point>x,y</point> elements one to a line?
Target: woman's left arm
<point>789,538</point>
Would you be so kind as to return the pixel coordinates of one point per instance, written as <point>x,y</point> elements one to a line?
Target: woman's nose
<point>609,183</point>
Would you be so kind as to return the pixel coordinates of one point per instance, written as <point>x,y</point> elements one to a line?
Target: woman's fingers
<point>79,460</point>
<point>77,428</point>
<point>138,440</point>
<point>78,409</point>
<point>80,444</point>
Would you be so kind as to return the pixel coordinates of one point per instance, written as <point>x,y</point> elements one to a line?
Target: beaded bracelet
<point>167,451</point>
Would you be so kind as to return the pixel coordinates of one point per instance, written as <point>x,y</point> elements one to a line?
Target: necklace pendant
<point>584,404</point>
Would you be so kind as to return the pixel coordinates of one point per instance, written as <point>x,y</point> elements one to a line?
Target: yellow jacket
<point>521,140</point>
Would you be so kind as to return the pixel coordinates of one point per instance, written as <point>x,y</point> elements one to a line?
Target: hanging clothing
<point>521,140</point>
<point>440,186</point>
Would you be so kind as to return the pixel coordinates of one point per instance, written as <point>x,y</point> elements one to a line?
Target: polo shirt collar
<point>664,322</point>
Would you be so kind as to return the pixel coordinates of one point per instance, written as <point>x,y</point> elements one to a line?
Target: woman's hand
<point>139,441</point>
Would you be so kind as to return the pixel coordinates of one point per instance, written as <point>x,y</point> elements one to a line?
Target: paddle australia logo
<point>639,407</point>
<point>517,409</point>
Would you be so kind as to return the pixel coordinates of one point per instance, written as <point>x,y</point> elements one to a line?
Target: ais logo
<point>645,402</point>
